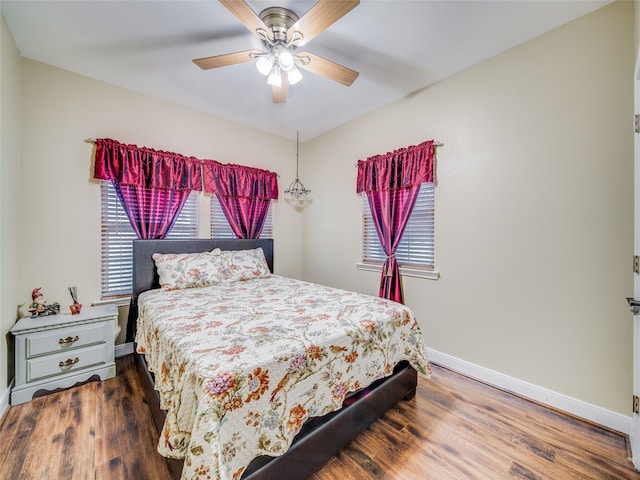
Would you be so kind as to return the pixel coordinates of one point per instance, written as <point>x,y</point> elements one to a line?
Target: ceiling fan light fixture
<point>282,32</point>
<point>265,63</point>
<point>294,75</point>
<point>285,59</point>
<point>275,77</point>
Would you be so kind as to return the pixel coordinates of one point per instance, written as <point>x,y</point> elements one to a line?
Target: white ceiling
<point>398,47</point>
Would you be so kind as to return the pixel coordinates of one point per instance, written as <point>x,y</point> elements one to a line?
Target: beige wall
<point>60,234</point>
<point>9,195</point>
<point>534,208</point>
<point>636,4</point>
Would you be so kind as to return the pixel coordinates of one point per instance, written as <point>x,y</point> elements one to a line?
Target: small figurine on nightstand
<point>40,308</point>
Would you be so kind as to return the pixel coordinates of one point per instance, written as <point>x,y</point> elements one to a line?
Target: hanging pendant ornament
<point>296,190</point>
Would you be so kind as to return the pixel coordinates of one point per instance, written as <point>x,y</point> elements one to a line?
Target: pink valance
<point>131,165</point>
<point>239,181</point>
<point>402,168</point>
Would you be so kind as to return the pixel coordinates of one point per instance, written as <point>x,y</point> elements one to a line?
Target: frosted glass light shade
<point>265,63</point>
<point>275,78</point>
<point>285,60</point>
<point>294,75</point>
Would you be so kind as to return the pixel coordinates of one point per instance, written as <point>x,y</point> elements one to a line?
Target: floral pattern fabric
<point>243,264</point>
<point>241,366</point>
<point>187,270</point>
<point>191,270</point>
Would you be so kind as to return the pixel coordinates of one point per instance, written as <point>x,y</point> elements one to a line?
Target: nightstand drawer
<point>64,339</point>
<point>65,362</point>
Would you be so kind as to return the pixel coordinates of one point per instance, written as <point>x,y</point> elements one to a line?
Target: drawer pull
<point>68,363</point>
<point>67,342</point>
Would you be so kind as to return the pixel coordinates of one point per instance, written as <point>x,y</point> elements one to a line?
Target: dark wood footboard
<point>320,438</point>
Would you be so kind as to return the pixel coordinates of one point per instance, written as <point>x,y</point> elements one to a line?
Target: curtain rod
<point>435,144</point>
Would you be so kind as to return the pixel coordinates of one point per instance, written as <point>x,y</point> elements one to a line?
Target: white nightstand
<point>58,351</point>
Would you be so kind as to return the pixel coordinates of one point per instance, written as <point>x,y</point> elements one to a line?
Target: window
<point>117,237</point>
<point>415,254</point>
<point>220,227</point>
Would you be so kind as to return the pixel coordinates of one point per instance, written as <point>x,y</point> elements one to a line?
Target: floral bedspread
<point>240,366</point>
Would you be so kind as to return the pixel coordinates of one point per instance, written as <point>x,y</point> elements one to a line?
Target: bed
<point>331,408</point>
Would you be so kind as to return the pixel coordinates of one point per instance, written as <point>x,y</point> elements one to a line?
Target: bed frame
<point>320,438</point>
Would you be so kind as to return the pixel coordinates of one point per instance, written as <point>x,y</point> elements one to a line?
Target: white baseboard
<point>593,413</point>
<point>4,400</point>
<point>124,349</point>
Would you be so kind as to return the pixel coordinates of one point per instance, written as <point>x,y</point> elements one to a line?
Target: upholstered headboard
<point>145,276</point>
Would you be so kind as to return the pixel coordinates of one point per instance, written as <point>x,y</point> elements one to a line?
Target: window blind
<point>220,227</point>
<point>117,236</point>
<point>416,248</point>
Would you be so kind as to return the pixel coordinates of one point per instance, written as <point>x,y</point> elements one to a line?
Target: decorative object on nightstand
<point>75,307</point>
<point>39,307</point>
<point>59,351</point>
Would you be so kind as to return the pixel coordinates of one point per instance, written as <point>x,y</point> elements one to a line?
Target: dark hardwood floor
<point>455,428</point>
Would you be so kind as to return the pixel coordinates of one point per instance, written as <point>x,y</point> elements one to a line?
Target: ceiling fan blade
<point>328,69</point>
<point>279,94</point>
<point>322,15</point>
<point>243,12</point>
<point>217,61</point>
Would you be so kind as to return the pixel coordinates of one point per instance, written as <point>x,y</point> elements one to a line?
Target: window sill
<point>405,271</point>
<point>118,301</point>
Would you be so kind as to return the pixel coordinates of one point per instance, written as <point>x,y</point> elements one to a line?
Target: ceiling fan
<point>282,32</point>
